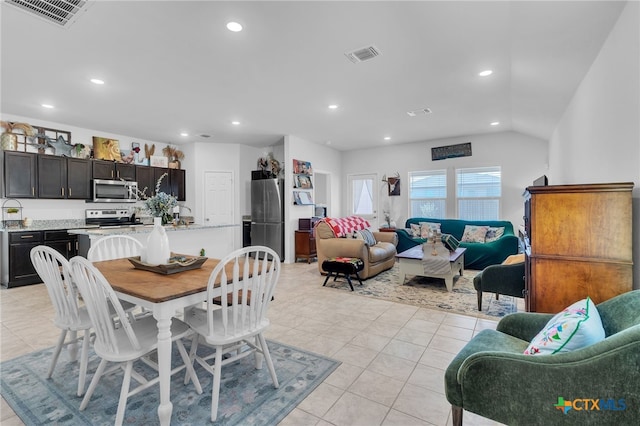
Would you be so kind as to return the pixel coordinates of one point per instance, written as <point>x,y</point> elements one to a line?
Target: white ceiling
<point>172,66</point>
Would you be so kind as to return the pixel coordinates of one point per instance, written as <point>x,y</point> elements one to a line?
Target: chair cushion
<point>513,259</point>
<point>366,235</point>
<point>576,327</point>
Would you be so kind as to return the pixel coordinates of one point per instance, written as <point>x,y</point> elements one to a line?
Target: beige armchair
<point>377,258</point>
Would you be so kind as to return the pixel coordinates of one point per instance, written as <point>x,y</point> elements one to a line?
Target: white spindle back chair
<point>114,247</point>
<point>234,323</point>
<point>126,344</point>
<point>54,270</point>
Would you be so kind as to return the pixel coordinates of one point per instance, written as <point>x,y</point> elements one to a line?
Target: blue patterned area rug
<point>247,395</point>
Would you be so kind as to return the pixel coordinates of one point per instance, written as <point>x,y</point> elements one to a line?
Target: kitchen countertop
<point>78,226</point>
<point>142,229</point>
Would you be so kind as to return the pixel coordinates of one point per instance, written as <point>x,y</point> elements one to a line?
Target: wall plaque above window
<point>451,151</point>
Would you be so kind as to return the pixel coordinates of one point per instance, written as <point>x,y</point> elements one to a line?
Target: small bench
<point>346,266</point>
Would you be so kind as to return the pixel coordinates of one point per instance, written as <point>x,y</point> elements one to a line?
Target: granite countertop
<point>142,229</point>
<point>78,226</point>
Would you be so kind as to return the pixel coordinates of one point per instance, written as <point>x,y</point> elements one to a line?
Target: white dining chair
<point>114,247</point>
<point>234,325</point>
<point>131,342</point>
<point>117,247</point>
<point>54,271</point>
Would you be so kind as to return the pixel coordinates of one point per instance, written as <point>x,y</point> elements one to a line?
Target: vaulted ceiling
<point>172,67</point>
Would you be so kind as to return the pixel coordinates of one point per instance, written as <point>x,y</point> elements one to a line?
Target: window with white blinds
<point>478,193</point>
<point>428,193</point>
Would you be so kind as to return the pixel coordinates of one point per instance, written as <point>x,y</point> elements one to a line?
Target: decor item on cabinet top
<point>160,205</point>
<point>106,149</point>
<point>270,166</point>
<point>148,152</point>
<point>174,155</point>
<point>138,158</point>
<point>9,139</point>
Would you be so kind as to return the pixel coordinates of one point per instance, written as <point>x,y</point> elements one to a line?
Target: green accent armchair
<point>491,377</point>
<point>500,279</point>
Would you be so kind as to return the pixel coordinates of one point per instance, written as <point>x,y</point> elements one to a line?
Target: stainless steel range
<point>110,217</point>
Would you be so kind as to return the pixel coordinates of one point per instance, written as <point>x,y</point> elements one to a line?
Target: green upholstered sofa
<point>492,377</point>
<point>478,255</point>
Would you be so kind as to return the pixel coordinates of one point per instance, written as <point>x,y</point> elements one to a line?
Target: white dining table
<point>165,296</point>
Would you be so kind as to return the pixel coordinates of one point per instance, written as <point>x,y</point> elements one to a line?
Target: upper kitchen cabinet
<point>52,176</point>
<point>78,179</point>
<point>165,184</point>
<point>20,174</point>
<point>177,179</point>
<point>145,179</point>
<point>110,170</point>
<point>62,177</point>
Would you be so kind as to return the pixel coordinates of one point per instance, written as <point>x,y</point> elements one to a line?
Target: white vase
<point>157,252</point>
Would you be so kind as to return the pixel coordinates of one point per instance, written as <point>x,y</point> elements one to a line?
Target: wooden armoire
<point>578,243</point>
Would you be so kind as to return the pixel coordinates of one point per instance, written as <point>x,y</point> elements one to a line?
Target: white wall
<point>598,137</point>
<point>322,159</point>
<point>522,158</point>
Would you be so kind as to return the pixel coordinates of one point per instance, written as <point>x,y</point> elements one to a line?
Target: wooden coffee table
<point>410,262</point>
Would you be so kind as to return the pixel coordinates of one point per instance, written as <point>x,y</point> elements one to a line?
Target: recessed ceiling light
<point>333,106</point>
<point>47,106</point>
<point>485,73</point>
<point>97,81</point>
<point>387,138</point>
<point>184,134</point>
<point>234,26</point>
<point>235,123</point>
<point>495,123</point>
<point>328,142</point>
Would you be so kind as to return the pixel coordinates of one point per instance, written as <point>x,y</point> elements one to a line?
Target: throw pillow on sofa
<point>428,228</point>
<point>494,234</point>
<point>415,230</point>
<point>578,326</point>
<point>474,234</point>
<point>366,235</point>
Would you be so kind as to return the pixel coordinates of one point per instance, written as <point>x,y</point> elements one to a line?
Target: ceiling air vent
<point>363,54</point>
<point>59,12</point>
<point>417,112</point>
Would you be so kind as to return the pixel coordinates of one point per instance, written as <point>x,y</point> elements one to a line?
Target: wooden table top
<point>153,286</point>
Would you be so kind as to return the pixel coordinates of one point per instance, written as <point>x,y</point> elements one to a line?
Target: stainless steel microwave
<point>114,191</point>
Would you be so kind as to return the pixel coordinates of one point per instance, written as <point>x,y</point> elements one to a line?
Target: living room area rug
<point>431,293</point>
<point>247,395</point>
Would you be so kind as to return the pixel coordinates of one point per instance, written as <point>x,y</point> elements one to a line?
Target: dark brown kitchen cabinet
<point>20,174</point>
<point>165,184</point>
<point>62,241</point>
<point>52,176</point>
<point>145,179</point>
<point>78,179</point>
<point>20,269</point>
<point>177,179</point>
<point>113,171</point>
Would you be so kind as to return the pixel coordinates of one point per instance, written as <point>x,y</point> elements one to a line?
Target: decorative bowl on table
<point>177,263</point>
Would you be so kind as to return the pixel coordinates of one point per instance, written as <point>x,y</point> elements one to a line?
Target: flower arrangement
<point>161,204</point>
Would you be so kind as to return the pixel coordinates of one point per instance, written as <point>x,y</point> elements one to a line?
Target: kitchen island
<point>217,241</point>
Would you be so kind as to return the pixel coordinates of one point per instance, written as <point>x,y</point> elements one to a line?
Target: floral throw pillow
<point>474,234</point>
<point>415,230</point>
<point>428,228</point>
<point>576,327</point>
<point>493,234</point>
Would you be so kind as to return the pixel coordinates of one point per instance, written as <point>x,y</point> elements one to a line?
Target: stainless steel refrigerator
<point>267,214</point>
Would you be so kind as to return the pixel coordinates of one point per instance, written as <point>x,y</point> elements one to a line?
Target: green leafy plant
<point>161,204</point>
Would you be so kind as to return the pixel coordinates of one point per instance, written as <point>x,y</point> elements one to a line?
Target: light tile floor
<point>393,355</point>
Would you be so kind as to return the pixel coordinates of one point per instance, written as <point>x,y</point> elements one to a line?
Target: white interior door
<point>219,198</point>
<point>363,196</point>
